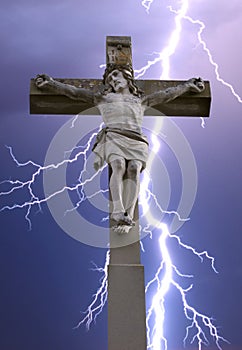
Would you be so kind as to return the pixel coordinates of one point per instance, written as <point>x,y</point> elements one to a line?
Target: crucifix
<point>122,102</point>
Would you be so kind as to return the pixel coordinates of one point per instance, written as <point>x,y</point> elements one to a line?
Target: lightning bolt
<point>35,200</point>
<point>164,56</point>
<point>165,280</point>
<point>100,297</point>
<point>146,4</point>
<point>208,52</point>
<point>173,41</point>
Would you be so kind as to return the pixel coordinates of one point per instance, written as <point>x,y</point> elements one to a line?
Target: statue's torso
<point>121,111</point>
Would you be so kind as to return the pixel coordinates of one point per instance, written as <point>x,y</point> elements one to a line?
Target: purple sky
<point>45,274</point>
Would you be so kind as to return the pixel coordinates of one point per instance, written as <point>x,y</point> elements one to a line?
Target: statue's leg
<point>118,167</point>
<point>132,185</point>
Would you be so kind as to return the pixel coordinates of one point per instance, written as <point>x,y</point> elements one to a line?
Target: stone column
<point>126,293</point>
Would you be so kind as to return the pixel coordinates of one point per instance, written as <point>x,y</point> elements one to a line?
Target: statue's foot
<point>122,219</point>
<point>128,220</point>
<point>121,229</point>
<point>117,217</point>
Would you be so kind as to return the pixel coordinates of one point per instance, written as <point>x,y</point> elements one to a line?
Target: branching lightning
<point>173,40</point>
<point>198,321</point>
<point>147,4</point>
<point>208,52</point>
<point>100,297</point>
<point>165,279</point>
<point>170,48</point>
<point>16,185</point>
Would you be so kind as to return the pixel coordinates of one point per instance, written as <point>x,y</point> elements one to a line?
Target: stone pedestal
<point>126,293</point>
<point>126,308</point>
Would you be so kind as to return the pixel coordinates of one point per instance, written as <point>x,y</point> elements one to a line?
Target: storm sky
<point>45,274</point>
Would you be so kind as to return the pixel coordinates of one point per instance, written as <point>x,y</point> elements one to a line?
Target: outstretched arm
<point>45,82</point>
<point>163,96</point>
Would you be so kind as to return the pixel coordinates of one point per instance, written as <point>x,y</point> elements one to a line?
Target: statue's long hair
<point>128,75</point>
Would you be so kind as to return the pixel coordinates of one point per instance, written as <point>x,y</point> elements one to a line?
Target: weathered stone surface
<point>126,316</point>
<point>118,50</point>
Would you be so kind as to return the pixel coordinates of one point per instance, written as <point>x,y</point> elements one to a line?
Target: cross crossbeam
<point>50,102</point>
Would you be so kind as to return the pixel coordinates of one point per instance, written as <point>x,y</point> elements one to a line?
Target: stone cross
<point>126,292</point>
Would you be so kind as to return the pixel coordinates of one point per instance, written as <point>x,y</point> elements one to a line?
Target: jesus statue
<point>121,142</point>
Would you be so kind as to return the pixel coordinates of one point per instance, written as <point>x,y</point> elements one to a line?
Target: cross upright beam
<point>126,285</point>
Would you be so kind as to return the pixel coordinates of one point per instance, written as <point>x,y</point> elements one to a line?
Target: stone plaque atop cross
<point>122,102</point>
<point>118,50</point>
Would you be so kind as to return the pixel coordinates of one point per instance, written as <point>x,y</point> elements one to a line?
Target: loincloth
<point>124,143</point>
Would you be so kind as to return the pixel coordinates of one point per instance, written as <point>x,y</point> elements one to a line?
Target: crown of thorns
<point>127,69</point>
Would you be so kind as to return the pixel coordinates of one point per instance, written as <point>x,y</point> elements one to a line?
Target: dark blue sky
<point>45,274</point>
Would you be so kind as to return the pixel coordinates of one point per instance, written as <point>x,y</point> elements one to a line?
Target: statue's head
<point>128,75</point>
